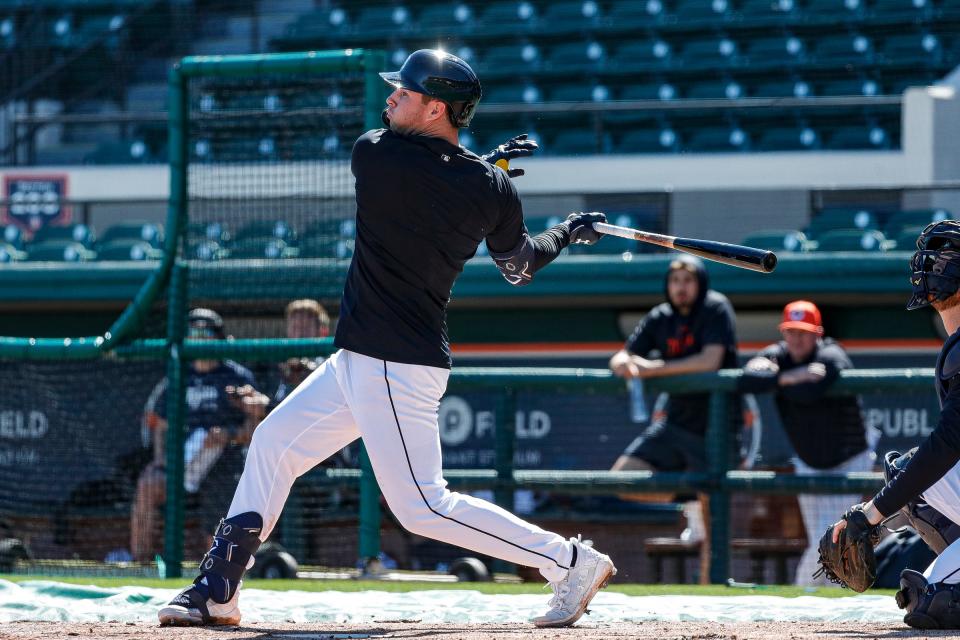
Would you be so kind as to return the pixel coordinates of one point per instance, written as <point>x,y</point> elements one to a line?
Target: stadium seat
<point>127,249</point>
<point>913,218</point>
<point>858,86</point>
<point>852,240</point>
<point>570,15</point>
<point>718,139</point>
<point>788,139</point>
<point>768,11</point>
<point>382,20</point>
<point>635,13</point>
<point>859,137</point>
<point>913,48</point>
<point>331,228</point>
<point>59,251</point>
<point>716,90</point>
<point>149,232</point>
<point>317,25</point>
<point>262,247</point>
<point>207,251</point>
<point>712,53</point>
<point>658,140</point>
<point>510,60</point>
<point>446,19</point>
<point>213,231</point>
<point>512,93</point>
<point>793,88</point>
<point>833,10</point>
<point>901,10</point>
<point>831,219</point>
<point>576,57</point>
<point>11,235</point>
<point>643,54</point>
<point>326,247</point>
<point>511,17</point>
<point>778,240</point>
<point>9,253</point>
<point>278,229</point>
<point>776,52</point>
<point>80,233</point>
<point>839,50</point>
<point>906,238</point>
<point>651,91</point>
<point>708,11</point>
<point>575,142</point>
<point>580,92</point>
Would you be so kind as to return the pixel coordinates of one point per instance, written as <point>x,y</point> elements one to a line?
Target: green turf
<point>483,587</point>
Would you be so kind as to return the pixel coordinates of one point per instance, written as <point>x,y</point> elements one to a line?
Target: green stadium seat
<point>508,17</point>
<point>718,139</point>
<point>712,53</point>
<point>382,20</point>
<point>576,57</point>
<point>830,219</point>
<point>80,233</point>
<point>446,19</point>
<point>779,240</point>
<point>859,137</point>
<point>768,11</point>
<point>572,15</point>
<point>278,229</point>
<point>842,50</point>
<point>912,48</point>
<point>645,54</point>
<point>634,13</point>
<point>510,60</point>
<point>9,253</point>
<point>852,240</point>
<point>778,52</point>
<point>326,247</point>
<point>127,249</point>
<point>792,88</point>
<point>788,139</point>
<point>658,140</point>
<point>716,90</point>
<point>10,234</point>
<point>59,251</point>
<point>149,232</point>
<point>708,11</point>
<point>913,218</point>
<point>906,238</point>
<point>262,247</point>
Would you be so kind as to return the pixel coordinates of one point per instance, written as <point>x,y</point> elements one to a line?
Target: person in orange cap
<point>827,432</point>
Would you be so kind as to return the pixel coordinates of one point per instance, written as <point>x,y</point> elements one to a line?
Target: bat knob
<point>769,262</point>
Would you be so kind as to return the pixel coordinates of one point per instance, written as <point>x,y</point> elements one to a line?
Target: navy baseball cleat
<point>591,571</point>
<point>194,606</point>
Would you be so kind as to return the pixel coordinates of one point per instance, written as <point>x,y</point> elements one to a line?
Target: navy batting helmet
<point>936,264</point>
<point>443,76</point>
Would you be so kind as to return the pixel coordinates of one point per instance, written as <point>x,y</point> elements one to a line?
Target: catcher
<point>924,484</point>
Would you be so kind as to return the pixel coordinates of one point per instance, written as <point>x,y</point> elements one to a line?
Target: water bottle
<point>638,403</point>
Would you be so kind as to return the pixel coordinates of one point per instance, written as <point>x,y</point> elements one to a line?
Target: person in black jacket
<point>932,474</point>
<point>827,432</point>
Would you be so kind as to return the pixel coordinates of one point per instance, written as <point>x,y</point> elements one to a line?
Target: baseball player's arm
<point>709,359</point>
<point>760,374</point>
<point>808,383</point>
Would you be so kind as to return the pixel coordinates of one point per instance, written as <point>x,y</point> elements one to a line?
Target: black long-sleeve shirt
<point>940,451</point>
<point>423,207</point>
<point>824,431</point>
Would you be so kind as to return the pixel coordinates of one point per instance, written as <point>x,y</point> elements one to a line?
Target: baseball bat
<point>732,254</point>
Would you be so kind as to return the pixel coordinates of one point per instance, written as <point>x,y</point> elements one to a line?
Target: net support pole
<point>717,445</point>
<point>504,439</point>
<point>369,544</point>
<point>176,417</point>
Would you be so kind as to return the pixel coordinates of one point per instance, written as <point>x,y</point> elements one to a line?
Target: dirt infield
<point>413,629</point>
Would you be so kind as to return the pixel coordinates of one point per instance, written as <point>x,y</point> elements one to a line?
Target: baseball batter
<point>424,204</point>
<point>926,486</point>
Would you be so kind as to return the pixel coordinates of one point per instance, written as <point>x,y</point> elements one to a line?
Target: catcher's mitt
<point>850,561</point>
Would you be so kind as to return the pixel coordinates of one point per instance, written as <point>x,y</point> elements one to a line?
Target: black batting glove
<point>517,147</point>
<point>581,227</point>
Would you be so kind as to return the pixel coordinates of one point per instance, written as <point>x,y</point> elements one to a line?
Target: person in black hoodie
<point>827,433</point>
<point>693,331</point>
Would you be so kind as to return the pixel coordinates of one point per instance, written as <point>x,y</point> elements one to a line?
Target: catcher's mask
<point>935,266</point>
<point>442,76</point>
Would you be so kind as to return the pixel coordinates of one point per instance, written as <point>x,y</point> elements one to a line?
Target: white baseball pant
<point>394,408</point>
<point>944,496</point>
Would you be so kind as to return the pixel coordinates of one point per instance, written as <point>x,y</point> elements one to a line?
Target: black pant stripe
<point>424,498</point>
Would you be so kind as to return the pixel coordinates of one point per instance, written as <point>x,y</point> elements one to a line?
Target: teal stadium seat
<point>128,250</point>
<point>11,235</point>
<point>852,240</point>
<point>642,55</point>
<point>702,11</point>
<point>278,229</point>
<point>527,93</point>
<point>317,26</point>
<point>858,86</point>
<point>788,139</point>
<point>717,139</point>
<point>149,232</point>
<point>59,251</point>
<point>510,60</point>
<point>786,88</point>
<point>326,247</point>
<point>635,13</point>
<point>577,142</point>
<point>906,238</point>
<point>779,240</point>
<point>716,90</point>
<point>712,53</point>
<point>831,219</point>
<point>335,228</point>
<point>446,19</point>
<point>787,51</point>
<point>912,218</point>
<point>9,253</point>
<point>576,57</point>
<point>768,11</point>
<point>901,10</point>
<point>510,17</point>
<point>207,251</point>
<point>859,138</point>
<point>262,248</point>
<point>382,21</point>
<point>654,140</point>
<point>818,11</point>
<point>840,50</point>
<point>203,231</point>
<point>912,49</point>
<point>80,233</point>
<point>572,15</point>
<point>581,92</point>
